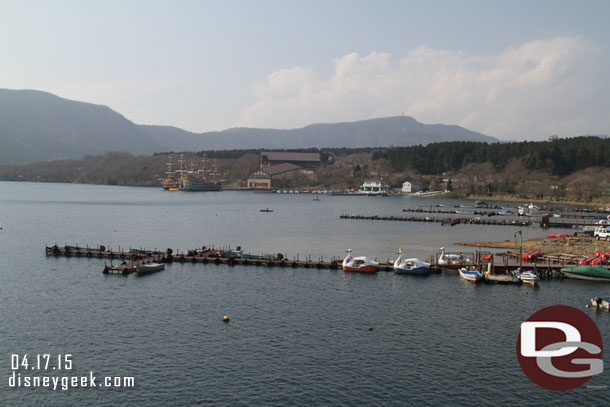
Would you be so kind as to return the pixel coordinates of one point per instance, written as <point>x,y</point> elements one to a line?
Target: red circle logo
<point>560,348</point>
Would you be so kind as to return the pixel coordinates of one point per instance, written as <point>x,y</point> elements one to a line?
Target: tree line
<point>560,156</point>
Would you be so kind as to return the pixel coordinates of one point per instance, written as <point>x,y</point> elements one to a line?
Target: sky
<point>515,70</point>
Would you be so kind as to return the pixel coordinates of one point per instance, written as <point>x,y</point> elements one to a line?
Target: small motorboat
<point>360,264</point>
<point>527,277</point>
<point>471,274</point>
<point>266,210</point>
<point>149,268</point>
<point>601,303</point>
<point>410,266</point>
<point>491,277</point>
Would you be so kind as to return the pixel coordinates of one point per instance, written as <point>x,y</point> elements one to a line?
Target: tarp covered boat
<point>593,273</point>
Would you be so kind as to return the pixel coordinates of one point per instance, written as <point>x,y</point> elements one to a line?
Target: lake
<point>296,337</point>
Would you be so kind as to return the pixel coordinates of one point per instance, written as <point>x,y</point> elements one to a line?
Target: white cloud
<point>543,87</point>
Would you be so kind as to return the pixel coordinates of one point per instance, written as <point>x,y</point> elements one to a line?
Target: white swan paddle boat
<point>471,274</point>
<point>448,258</point>
<point>410,266</point>
<point>361,264</point>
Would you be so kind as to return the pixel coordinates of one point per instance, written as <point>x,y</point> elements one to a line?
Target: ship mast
<point>169,171</point>
<point>181,170</point>
<point>202,170</point>
<point>214,171</point>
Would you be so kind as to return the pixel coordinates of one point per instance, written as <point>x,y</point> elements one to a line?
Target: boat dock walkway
<point>133,258</point>
<point>544,266</point>
<point>442,220</point>
<point>545,221</point>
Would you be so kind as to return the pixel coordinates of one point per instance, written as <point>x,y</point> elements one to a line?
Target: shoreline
<point>442,195</point>
<point>581,245</point>
<point>511,198</point>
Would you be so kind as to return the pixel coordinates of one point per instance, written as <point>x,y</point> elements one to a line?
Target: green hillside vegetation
<point>561,156</point>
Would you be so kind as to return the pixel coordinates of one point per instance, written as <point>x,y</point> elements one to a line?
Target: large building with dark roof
<point>303,160</point>
<point>278,169</point>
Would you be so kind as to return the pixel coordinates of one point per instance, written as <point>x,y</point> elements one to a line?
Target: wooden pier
<point>545,267</point>
<point>548,222</point>
<point>133,258</point>
<point>442,220</point>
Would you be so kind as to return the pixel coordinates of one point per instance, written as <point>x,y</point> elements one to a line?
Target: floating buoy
<point>370,329</point>
<point>588,305</point>
<point>226,318</point>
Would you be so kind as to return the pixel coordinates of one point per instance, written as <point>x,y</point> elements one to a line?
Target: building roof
<point>281,168</point>
<point>282,156</point>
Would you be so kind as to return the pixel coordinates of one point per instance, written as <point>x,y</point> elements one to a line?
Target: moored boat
<point>196,182</point>
<point>448,258</point>
<point>170,182</point>
<point>150,268</point>
<point>471,274</point>
<point>491,277</point>
<point>592,273</point>
<point>201,180</point>
<point>361,264</point>
<point>527,277</point>
<point>410,266</point>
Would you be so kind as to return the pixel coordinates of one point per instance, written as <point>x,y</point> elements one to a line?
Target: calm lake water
<point>296,336</point>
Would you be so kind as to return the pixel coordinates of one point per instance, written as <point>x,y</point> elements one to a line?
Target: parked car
<point>602,233</point>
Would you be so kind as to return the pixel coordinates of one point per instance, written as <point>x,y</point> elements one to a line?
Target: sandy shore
<point>575,245</point>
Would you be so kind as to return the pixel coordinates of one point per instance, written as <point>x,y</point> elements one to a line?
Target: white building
<point>410,187</point>
<point>375,188</point>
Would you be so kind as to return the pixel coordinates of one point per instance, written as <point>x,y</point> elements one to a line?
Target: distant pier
<point>442,220</point>
<point>484,218</point>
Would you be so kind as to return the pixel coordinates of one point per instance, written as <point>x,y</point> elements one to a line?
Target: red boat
<point>602,254</point>
<point>598,261</point>
<point>529,256</point>
<point>557,235</point>
<point>588,260</point>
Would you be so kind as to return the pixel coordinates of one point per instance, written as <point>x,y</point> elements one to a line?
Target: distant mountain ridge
<point>39,126</point>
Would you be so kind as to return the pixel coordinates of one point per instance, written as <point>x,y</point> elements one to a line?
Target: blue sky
<point>510,69</point>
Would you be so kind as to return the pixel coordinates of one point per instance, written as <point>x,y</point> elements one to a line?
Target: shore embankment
<point>581,245</point>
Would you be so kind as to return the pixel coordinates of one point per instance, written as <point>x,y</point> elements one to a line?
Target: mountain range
<point>39,126</point>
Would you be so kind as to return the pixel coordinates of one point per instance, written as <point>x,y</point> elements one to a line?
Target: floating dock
<point>442,220</point>
<point>545,221</point>
<point>132,258</point>
<point>545,267</point>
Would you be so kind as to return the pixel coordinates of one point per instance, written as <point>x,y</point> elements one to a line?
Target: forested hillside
<point>560,156</point>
